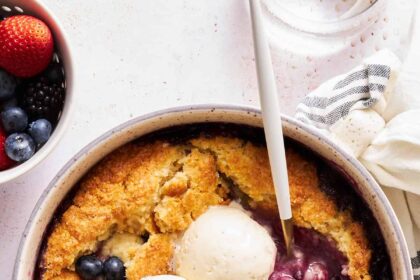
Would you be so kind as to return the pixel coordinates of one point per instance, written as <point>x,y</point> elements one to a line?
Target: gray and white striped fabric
<point>415,262</point>
<point>367,88</point>
<point>360,89</point>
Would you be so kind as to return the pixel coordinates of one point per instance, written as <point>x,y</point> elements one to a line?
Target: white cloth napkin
<point>374,113</point>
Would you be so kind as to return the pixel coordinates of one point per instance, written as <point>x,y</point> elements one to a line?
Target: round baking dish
<point>63,53</point>
<point>95,151</point>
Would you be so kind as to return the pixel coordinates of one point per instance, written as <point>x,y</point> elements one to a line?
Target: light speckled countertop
<point>132,58</point>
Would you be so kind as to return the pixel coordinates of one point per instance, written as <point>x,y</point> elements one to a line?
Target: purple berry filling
<point>315,257</point>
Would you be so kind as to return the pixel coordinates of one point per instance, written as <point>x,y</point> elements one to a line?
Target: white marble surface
<point>134,57</point>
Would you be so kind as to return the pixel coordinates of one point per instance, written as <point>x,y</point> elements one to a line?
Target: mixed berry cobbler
<point>123,219</point>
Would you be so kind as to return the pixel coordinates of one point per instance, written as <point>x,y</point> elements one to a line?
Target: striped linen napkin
<point>360,89</point>
<point>374,113</point>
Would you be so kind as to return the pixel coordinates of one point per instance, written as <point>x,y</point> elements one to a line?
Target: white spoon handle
<point>271,112</point>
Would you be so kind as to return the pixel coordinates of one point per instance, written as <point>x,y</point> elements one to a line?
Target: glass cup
<point>323,16</point>
<point>314,40</point>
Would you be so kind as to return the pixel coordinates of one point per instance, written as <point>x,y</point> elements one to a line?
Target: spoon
<point>271,114</point>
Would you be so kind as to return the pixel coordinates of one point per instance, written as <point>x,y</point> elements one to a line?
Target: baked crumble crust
<point>159,188</point>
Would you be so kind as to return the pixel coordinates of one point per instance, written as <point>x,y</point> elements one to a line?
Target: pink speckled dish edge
<point>130,130</point>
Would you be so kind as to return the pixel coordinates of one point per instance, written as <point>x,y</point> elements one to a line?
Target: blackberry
<point>54,73</point>
<point>42,99</point>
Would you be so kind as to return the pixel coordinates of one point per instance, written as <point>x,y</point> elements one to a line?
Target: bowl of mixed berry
<point>35,82</point>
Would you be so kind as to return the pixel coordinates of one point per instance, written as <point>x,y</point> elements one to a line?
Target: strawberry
<point>26,45</point>
<point>5,161</point>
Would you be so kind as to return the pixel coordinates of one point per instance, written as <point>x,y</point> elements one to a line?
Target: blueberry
<point>14,119</point>
<point>19,147</point>
<point>114,269</point>
<point>316,271</point>
<point>88,267</point>
<point>297,268</point>
<point>7,85</point>
<point>40,130</point>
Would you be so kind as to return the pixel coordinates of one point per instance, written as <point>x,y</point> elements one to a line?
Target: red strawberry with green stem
<point>26,45</point>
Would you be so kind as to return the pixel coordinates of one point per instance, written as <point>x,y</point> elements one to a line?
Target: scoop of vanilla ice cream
<point>224,243</point>
<point>163,277</point>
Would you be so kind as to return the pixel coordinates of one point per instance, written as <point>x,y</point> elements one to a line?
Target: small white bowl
<point>64,181</point>
<point>37,9</point>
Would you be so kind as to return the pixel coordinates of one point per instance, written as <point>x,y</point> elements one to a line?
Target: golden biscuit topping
<point>160,188</point>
